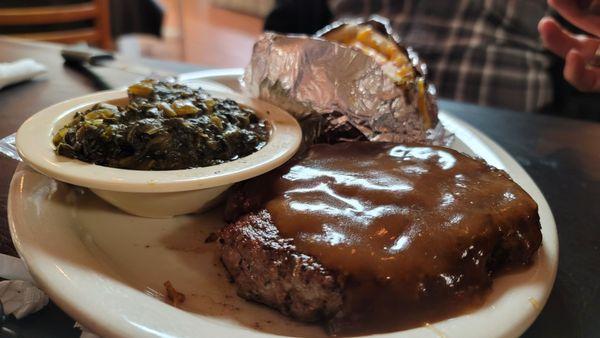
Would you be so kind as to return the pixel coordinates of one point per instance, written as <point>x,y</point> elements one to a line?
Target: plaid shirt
<point>487,52</point>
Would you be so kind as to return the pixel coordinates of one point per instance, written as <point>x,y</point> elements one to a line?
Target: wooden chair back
<point>96,10</point>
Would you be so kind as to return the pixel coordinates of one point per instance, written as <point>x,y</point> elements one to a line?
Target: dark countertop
<point>563,158</point>
<point>561,155</point>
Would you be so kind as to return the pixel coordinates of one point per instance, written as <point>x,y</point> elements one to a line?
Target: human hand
<point>581,52</point>
<point>584,14</point>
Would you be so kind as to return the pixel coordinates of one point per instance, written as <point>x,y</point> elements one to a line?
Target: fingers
<point>579,74</point>
<point>576,49</point>
<point>570,10</point>
<point>556,38</point>
<point>560,41</point>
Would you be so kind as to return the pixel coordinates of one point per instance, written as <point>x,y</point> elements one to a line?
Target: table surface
<point>561,155</point>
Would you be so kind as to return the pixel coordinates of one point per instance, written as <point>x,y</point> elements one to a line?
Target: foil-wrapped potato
<point>353,80</point>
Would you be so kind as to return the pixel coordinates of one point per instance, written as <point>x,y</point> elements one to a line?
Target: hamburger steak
<point>371,237</point>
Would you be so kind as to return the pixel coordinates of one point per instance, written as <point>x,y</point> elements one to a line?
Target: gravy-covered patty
<point>401,234</point>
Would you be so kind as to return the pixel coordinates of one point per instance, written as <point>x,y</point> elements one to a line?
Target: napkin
<point>13,268</point>
<point>20,298</point>
<point>18,295</point>
<point>18,71</point>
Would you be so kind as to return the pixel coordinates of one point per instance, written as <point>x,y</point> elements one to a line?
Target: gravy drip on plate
<point>415,231</point>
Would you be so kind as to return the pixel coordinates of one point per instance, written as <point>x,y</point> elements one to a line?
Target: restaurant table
<point>561,155</point>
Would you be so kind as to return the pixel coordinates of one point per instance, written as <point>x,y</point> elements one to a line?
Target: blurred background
<point>178,30</point>
<point>228,28</point>
<point>221,33</point>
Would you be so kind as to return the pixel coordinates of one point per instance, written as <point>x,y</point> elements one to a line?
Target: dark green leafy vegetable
<point>165,126</point>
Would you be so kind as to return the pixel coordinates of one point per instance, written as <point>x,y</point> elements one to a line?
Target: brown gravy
<point>416,231</point>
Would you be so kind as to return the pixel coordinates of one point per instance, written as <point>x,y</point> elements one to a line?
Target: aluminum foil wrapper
<point>336,92</point>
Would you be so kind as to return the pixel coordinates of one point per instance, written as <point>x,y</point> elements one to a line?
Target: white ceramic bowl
<point>157,194</point>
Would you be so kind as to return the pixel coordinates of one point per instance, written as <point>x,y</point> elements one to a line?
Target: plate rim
<point>86,317</point>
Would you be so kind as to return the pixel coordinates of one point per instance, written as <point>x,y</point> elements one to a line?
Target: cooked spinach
<point>165,126</point>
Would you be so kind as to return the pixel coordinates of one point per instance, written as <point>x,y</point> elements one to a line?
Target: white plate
<point>106,268</point>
